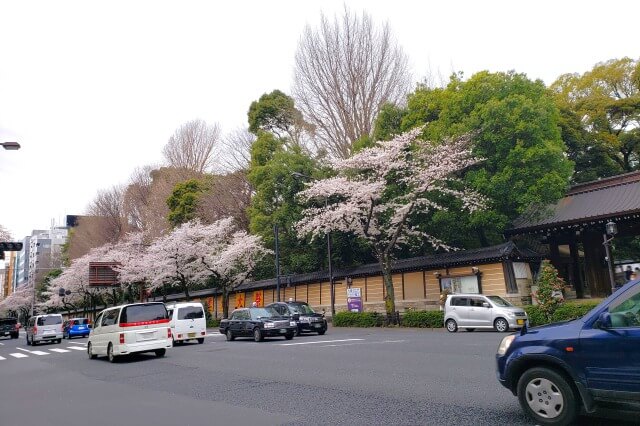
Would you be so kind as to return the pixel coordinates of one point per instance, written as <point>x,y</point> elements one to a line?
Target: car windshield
<point>257,313</point>
<point>50,320</point>
<point>301,308</point>
<point>80,321</point>
<point>190,312</point>
<point>499,301</point>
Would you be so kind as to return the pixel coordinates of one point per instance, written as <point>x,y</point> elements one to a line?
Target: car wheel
<point>160,352</point>
<point>501,325</point>
<point>452,326</point>
<point>230,335</point>
<point>28,341</point>
<point>470,329</point>
<point>110,355</point>
<point>200,340</point>
<point>547,397</point>
<point>297,331</point>
<point>289,336</point>
<point>59,341</point>
<point>321,332</point>
<point>90,352</point>
<point>257,335</point>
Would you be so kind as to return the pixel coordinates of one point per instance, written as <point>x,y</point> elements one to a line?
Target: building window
<point>464,284</point>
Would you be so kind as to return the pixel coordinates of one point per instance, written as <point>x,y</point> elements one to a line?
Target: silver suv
<point>44,328</point>
<point>471,311</point>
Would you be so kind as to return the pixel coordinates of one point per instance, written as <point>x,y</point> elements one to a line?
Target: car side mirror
<point>486,305</point>
<point>604,320</point>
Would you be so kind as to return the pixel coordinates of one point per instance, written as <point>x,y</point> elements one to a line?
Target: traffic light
<point>8,246</point>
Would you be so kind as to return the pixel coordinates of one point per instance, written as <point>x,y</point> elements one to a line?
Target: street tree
<point>606,100</point>
<point>345,70</point>
<point>276,113</point>
<point>192,146</point>
<point>183,201</point>
<point>236,149</point>
<point>378,193</point>
<point>229,255</point>
<point>19,302</point>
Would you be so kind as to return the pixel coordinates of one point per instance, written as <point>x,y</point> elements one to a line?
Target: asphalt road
<point>348,376</point>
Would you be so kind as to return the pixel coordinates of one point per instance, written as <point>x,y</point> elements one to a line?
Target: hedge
<point>358,319</point>
<point>213,323</point>
<point>435,319</point>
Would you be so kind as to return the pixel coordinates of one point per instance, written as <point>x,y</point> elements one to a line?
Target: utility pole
<point>275,233</point>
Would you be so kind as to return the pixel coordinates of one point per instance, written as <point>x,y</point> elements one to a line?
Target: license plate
<point>145,336</point>
<point>192,335</point>
<point>283,330</point>
<point>520,322</point>
<point>316,325</point>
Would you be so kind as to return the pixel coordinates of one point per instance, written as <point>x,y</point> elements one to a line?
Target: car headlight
<point>269,325</point>
<point>292,323</point>
<point>504,345</point>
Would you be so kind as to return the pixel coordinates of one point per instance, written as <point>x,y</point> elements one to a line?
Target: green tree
<point>276,113</point>
<point>183,201</point>
<point>607,102</point>
<point>515,122</point>
<point>550,286</point>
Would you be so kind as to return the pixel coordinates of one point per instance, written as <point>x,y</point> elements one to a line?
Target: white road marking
<point>60,351</point>
<point>321,341</point>
<point>76,348</point>
<point>33,352</point>
<point>19,355</point>
<point>2,358</point>
<point>362,343</point>
<point>1,344</point>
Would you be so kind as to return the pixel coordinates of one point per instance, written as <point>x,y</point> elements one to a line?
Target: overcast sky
<point>92,90</point>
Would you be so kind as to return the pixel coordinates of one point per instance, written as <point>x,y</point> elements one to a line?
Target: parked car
<point>129,329</point>
<point>259,323</point>
<point>9,327</point>
<point>75,327</point>
<point>471,311</point>
<point>305,317</point>
<point>560,369</point>
<point>187,321</point>
<point>44,328</point>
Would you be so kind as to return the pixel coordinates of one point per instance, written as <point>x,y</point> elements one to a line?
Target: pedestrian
<point>254,305</point>
<point>627,273</point>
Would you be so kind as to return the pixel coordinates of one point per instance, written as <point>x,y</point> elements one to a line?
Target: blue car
<point>76,327</point>
<point>562,369</point>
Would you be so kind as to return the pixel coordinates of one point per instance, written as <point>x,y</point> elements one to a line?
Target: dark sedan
<point>9,327</point>
<point>257,323</point>
<point>305,317</point>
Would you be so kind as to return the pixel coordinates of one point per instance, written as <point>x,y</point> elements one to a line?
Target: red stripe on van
<point>134,324</point>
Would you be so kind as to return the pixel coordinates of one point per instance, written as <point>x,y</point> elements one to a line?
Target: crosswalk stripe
<point>60,351</point>
<point>19,355</point>
<point>76,348</point>
<point>2,358</point>
<point>39,353</point>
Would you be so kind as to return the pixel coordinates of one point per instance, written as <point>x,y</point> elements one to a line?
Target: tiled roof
<point>616,197</point>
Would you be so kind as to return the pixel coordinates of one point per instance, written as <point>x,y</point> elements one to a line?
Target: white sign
<point>354,292</point>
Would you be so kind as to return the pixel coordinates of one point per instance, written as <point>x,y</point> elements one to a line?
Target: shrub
<point>550,285</point>
<point>213,323</point>
<point>357,319</point>
<point>423,319</point>
<point>565,312</point>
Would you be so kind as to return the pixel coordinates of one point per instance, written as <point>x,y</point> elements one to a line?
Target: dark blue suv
<point>560,369</point>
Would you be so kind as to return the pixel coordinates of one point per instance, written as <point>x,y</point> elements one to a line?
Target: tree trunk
<point>225,303</point>
<point>186,292</point>
<point>389,298</point>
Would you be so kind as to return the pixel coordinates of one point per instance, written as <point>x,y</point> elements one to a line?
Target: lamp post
<point>331,286</point>
<point>11,146</point>
<point>611,230</point>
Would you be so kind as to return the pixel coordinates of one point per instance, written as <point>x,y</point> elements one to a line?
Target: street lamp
<point>611,230</point>
<point>331,284</point>
<point>11,146</point>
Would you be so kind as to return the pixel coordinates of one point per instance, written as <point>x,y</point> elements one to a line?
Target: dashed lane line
<point>60,351</point>
<point>19,355</point>
<point>320,341</point>
<point>2,358</point>
<point>33,352</point>
<point>361,343</point>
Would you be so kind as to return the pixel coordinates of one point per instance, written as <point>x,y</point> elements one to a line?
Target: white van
<point>128,329</point>
<point>187,321</point>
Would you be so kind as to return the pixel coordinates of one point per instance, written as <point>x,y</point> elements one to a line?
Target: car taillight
<point>35,329</point>
<point>121,338</point>
<point>202,333</point>
<point>168,333</point>
<point>17,327</point>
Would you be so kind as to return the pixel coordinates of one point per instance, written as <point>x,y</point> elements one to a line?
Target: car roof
<point>471,294</point>
<point>182,304</point>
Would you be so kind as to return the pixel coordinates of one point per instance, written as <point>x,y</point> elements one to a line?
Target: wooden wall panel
<point>326,294</point>
<point>397,286</point>
<point>268,296</point>
<point>340,289</point>
<point>314,294</point>
<point>374,289</point>
<point>413,288</point>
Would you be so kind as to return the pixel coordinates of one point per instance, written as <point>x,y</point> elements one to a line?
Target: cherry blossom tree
<point>19,302</point>
<point>228,255</point>
<point>174,260</point>
<point>377,193</point>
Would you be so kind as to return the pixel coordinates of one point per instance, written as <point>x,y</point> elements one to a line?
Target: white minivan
<point>128,329</point>
<point>187,321</point>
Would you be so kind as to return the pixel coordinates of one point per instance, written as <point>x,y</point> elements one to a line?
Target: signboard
<point>354,299</point>
<point>258,299</point>
<point>210,304</point>
<point>239,300</point>
<point>102,274</point>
